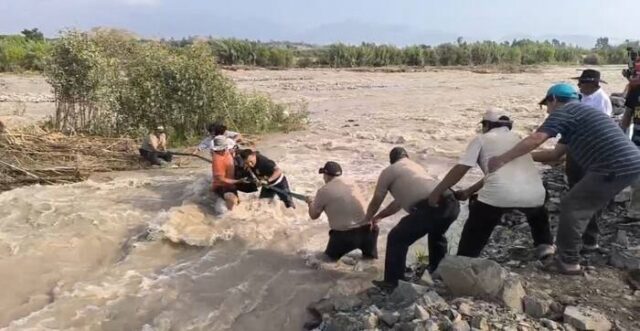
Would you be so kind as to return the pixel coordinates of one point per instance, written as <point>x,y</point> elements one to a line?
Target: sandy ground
<point>91,256</point>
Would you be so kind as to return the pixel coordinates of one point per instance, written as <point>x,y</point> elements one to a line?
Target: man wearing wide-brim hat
<point>592,93</point>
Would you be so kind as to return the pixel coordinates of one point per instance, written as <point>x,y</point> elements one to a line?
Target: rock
<point>433,299</point>
<point>321,307</point>
<point>407,292</point>
<point>549,324</point>
<point>633,278</point>
<point>454,316</point>
<point>348,260</point>
<point>623,196</point>
<point>622,239</point>
<point>390,318</point>
<point>460,326</point>
<point>421,313</point>
<point>464,309</point>
<point>346,303</point>
<point>480,323</point>
<point>583,318</point>
<point>342,322</point>
<point>536,307</point>
<point>466,276</point>
<point>370,321</point>
<point>512,293</point>
<point>431,325</point>
<point>624,258</point>
<point>426,279</point>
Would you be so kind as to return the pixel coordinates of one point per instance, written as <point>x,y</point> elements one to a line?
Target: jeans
<point>422,220</point>
<point>266,193</point>
<point>590,194</point>
<point>343,242</point>
<point>154,157</point>
<point>483,218</point>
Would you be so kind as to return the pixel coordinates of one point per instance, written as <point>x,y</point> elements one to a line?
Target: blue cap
<point>562,90</point>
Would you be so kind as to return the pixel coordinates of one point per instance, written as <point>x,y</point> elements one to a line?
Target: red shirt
<point>222,167</point>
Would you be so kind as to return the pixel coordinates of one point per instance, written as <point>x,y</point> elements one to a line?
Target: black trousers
<point>422,220</point>
<point>574,174</point>
<point>483,218</point>
<point>343,242</point>
<point>266,193</point>
<point>154,157</point>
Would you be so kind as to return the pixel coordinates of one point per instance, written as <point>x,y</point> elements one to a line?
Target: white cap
<point>160,128</point>
<point>492,115</point>
<point>219,144</point>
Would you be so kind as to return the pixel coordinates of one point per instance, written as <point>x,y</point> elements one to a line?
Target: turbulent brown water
<point>148,251</point>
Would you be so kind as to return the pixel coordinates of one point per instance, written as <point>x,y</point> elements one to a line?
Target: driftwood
<point>35,156</point>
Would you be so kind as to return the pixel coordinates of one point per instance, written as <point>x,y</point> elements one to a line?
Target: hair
<point>397,154</point>
<point>217,128</point>
<point>245,153</point>
<point>503,121</point>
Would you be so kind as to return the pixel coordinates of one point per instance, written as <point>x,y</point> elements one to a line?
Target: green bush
<point>107,84</point>
<point>18,53</point>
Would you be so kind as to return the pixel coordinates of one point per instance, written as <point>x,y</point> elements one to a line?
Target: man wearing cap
<point>154,147</point>
<point>632,115</point>
<point>224,183</point>
<point>610,161</point>
<point>410,185</point>
<point>343,203</point>
<point>515,186</point>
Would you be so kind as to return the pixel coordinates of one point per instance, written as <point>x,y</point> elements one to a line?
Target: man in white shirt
<point>154,147</point>
<point>592,94</point>
<point>219,129</point>
<point>343,203</point>
<point>517,187</point>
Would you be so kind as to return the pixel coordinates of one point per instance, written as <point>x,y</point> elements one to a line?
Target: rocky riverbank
<point>506,289</point>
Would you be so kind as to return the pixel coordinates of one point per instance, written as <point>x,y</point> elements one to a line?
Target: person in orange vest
<point>222,167</point>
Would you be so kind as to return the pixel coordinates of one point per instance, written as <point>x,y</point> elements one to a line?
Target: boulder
<point>407,292</point>
<point>346,303</point>
<point>460,326</point>
<point>624,258</point>
<point>480,323</point>
<point>549,324</point>
<point>466,276</point>
<point>426,279</point>
<point>583,318</point>
<point>370,321</point>
<point>536,307</point>
<point>389,318</point>
<point>512,293</point>
<point>464,309</point>
<point>431,325</point>
<point>420,313</point>
<point>342,322</point>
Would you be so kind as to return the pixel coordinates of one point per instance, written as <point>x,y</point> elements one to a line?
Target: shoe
<point>543,251</point>
<point>556,266</point>
<point>588,249</point>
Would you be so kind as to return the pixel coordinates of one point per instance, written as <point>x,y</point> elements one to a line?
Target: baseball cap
<point>562,90</point>
<point>160,128</point>
<point>219,144</point>
<point>331,168</point>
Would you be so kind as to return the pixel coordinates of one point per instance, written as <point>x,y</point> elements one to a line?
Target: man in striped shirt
<point>610,160</point>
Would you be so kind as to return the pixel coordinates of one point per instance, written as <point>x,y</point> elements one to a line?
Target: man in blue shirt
<point>609,159</point>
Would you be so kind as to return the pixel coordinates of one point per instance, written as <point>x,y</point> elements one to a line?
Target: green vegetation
<point>23,52</point>
<point>113,85</point>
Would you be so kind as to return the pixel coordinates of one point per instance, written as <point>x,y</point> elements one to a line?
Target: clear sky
<point>291,19</point>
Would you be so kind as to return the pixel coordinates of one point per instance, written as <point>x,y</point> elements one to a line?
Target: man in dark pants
<point>610,161</point>
<point>516,186</point>
<point>154,148</point>
<point>269,174</point>
<point>343,203</point>
<point>409,184</point>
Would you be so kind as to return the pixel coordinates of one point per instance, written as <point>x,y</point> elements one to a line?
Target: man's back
<point>407,181</point>
<point>343,203</point>
<point>593,139</point>
<point>222,166</point>
<point>518,183</point>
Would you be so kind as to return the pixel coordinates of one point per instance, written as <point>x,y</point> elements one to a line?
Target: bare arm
<point>550,155</point>
<point>276,173</point>
<point>225,180</point>
<point>391,209</point>
<point>374,205</point>
<point>525,146</point>
<point>475,187</point>
<point>452,178</point>
<point>314,211</point>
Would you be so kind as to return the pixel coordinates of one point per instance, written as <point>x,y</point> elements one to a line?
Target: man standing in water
<point>410,185</point>
<point>343,203</point>
<point>517,186</point>
<point>269,174</point>
<point>154,148</point>
<point>223,172</point>
<point>610,161</point>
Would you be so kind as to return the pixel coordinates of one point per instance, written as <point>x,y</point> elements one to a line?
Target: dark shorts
<point>343,242</point>
<point>221,191</point>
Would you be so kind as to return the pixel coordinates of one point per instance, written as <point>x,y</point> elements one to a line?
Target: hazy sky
<point>275,19</point>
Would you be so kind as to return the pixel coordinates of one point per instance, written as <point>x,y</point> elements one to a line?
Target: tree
<point>33,34</point>
<point>602,43</point>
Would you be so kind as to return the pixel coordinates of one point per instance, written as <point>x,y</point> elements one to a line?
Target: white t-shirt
<point>517,184</point>
<point>599,100</point>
